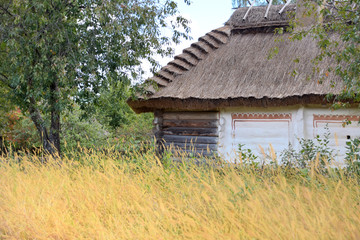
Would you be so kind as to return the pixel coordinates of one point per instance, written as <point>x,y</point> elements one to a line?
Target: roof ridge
<point>190,57</point>
<point>262,16</point>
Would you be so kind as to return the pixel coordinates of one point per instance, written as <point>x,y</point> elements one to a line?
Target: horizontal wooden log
<point>190,139</point>
<point>181,131</point>
<point>191,115</point>
<point>187,146</point>
<point>211,123</point>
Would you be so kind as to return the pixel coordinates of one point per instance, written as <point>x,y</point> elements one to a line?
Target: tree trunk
<point>55,130</point>
<point>47,141</point>
<point>2,147</point>
<point>55,117</point>
<point>50,142</point>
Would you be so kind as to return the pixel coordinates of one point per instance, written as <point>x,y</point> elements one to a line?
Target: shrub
<point>247,156</point>
<point>19,132</point>
<point>353,156</point>
<point>84,133</point>
<point>310,151</point>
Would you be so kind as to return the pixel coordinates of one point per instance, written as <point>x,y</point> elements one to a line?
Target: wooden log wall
<point>195,132</point>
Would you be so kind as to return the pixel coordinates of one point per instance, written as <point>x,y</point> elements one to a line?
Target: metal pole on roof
<point>283,8</point>
<point>268,8</point>
<point>247,12</point>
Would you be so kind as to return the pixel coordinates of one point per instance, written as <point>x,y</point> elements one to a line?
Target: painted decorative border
<point>260,117</point>
<point>333,119</point>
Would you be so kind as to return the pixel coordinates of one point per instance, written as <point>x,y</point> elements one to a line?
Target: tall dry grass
<point>109,197</point>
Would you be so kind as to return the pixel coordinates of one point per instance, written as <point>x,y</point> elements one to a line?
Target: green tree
<point>343,19</point>
<point>112,109</point>
<point>57,52</point>
<point>5,107</point>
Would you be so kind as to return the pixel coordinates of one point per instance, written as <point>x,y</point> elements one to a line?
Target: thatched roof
<point>230,66</point>
<point>256,17</point>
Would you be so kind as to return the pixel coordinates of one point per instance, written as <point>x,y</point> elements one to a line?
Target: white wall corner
<point>299,127</point>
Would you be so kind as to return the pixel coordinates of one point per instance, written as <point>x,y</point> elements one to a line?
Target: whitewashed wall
<point>257,128</point>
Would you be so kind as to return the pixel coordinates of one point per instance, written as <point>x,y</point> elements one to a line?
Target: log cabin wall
<point>158,133</point>
<point>195,132</point>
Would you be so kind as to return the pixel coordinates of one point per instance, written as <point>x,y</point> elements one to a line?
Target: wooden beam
<point>212,123</point>
<point>191,115</point>
<point>182,131</point>
<point>190,139</point>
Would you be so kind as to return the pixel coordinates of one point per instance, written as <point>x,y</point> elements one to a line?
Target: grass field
<point>109,196</point>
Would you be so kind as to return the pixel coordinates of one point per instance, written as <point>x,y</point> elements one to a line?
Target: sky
<point>205,15</point>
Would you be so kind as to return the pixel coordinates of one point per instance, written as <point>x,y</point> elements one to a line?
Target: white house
<point>230,88</point>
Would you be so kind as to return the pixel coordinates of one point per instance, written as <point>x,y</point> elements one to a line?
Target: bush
<point>80,133</point>
<point>19,132</point>
<point>353,156</point>
<point>247,156</point>
<point>311,151</point>
<point>84,133</point>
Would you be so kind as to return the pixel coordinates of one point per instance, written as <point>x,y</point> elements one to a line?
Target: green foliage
<point>54,53</point>
<point>134,136</point>
<point>85,133</point>
<point>342,18</point>
<point>19,132</point>
<point>139,126</point>
<point>353,156</point>
<point>111,107</point>
<point>5,108</point>
<point>310,152</point>
<point>82,44</point>
<point>247,156</point>
<point>82,133</point>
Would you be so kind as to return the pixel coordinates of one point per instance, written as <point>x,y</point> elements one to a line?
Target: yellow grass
<point>115,199</point>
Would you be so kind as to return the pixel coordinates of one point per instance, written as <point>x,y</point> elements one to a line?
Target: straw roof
<point>230,66</point>
<point>256,17</point>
